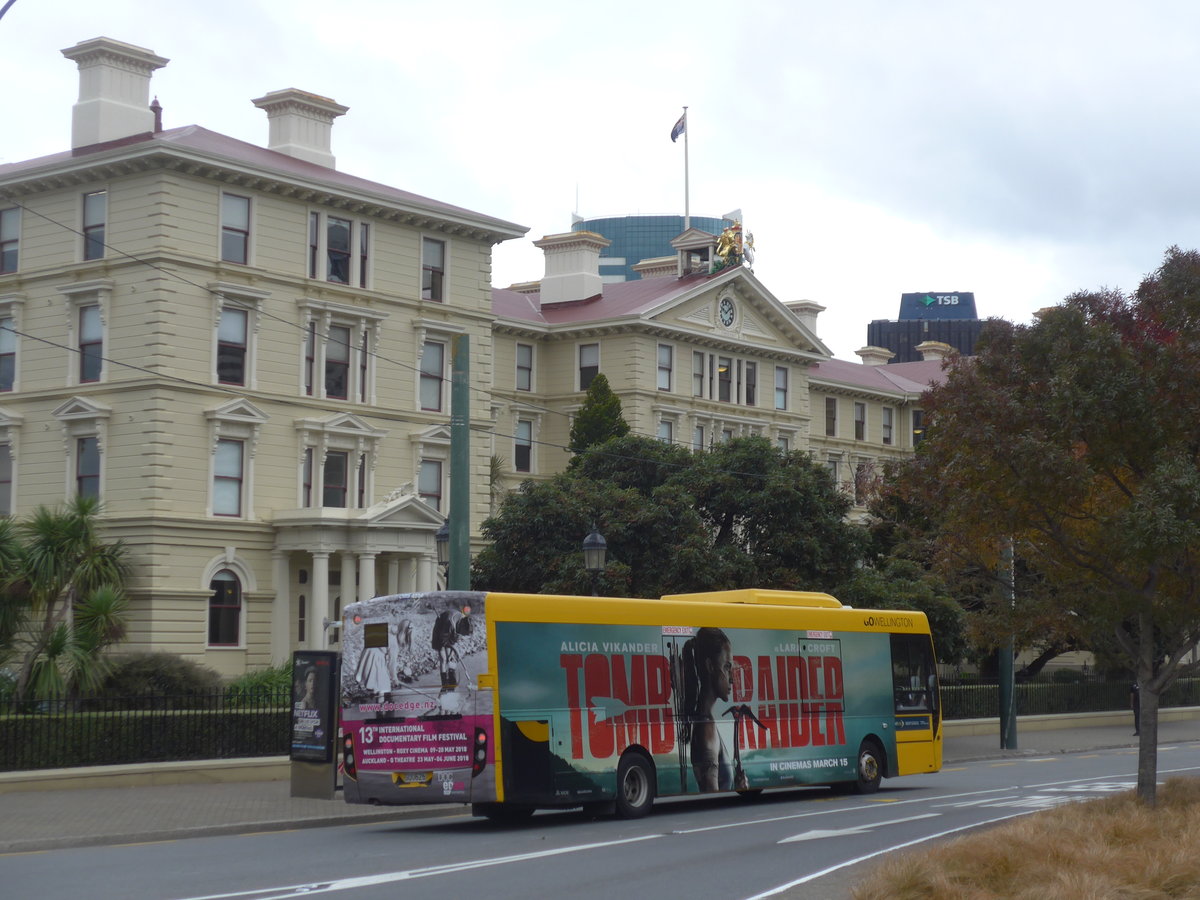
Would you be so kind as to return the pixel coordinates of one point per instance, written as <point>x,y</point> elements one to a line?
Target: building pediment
<point>239,410</point>
<point>81,408</point>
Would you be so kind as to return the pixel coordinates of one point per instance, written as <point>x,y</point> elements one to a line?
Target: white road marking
<point>859,829</point>
<point>281,892</point>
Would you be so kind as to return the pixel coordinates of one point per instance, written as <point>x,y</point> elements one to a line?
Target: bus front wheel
<point>635,786</point>
<point>870,767</point>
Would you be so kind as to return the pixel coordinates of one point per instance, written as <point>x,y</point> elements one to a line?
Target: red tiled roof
<point>211,144</point>
<point>623,298</point>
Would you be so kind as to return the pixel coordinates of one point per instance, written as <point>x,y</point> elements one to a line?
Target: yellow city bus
<point>517,702</point>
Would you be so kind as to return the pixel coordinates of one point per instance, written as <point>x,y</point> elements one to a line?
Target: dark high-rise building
<point>948,317</point>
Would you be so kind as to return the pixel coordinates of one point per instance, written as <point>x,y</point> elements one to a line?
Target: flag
<point>680,127</point>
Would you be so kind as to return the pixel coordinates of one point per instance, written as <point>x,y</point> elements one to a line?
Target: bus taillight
<point>348,756</point>
<point>479,760</point>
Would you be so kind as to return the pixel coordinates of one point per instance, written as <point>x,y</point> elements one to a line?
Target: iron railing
<point>41,734</point>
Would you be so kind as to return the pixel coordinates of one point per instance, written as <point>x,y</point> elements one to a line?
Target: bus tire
<point>870,767</point>
<point>635,786</point>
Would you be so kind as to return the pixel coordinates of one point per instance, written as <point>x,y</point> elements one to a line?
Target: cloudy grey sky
<point>1020,150</point>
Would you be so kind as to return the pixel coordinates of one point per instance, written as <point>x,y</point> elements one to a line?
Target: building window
<point>87,467</point>
<point>751,384</point>
<point>235,228</point>
<point>306,478</point>
<point>832,466</point>
<point>524,367</point>
<point>918,426</point>
<point>224,610</point>
<point>783,444</point>
<point>337,250</point>
<point>337,245</point>
<point>589,364</point>
<point>91,344</point>
<point>666,431</point>
<point>697,373</point>
<point>335,480</point>
<point>523,456</point>
<point>8,353</point>
<point>364,367</point>
<point>6,480</point>
<point>227,478</point>
<point>310,357</point>
<point>433,269</point>
<point>231,346</point>
<point>314,244</point>
<point>726,435</point>
<point>724,379</point>
<point>10,230</point>
<point>429,482</point>
<point>665,359</point>
<point>698,437</point>
<point>95,213</point>
<point>364,252</point>
<point>860,421</point>
<point>781,387</point>
<point>831,416</point>
<point>433,369</point>
<point>886,432</point>
<point>337,362</point>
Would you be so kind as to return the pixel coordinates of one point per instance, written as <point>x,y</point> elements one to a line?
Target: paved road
<point>811,844</point>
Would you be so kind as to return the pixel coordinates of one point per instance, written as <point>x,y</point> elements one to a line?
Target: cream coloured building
<point>695,359</point>
<point>245,354</point>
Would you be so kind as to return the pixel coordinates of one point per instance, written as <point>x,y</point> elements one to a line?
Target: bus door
<point>917,704</point>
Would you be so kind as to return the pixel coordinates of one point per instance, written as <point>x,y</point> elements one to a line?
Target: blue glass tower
<point>635,238</point>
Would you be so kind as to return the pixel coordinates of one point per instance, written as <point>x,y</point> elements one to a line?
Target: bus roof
<point>812,599</point>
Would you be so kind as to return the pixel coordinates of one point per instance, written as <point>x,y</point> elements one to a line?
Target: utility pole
<point>1008,688</point>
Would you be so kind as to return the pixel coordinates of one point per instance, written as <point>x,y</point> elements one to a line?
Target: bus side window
<point>914,675</point>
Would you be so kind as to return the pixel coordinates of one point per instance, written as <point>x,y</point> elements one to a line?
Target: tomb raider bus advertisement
<point>719,709</point>
<point>415,725</point>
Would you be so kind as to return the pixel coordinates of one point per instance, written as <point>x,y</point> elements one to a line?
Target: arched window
<point>225,610</point>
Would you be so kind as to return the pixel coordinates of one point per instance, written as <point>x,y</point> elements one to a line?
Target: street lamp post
<point>441,541</point>
<point>594,550</point>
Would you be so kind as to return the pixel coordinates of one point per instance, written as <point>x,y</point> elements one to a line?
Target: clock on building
<point>725,311</point>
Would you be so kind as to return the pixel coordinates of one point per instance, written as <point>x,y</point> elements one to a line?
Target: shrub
<point>164,676</point>
<point>254,687</point>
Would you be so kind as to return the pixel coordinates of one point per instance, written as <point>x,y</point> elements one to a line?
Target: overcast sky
<point>1020,150</point>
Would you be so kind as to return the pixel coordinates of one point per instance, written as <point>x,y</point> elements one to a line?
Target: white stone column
<point>425,570</point>
<point>319,604</point>
<point>366,575</point>
<point>393,574</point>
<point>408,575</point>
<point>281,607</point>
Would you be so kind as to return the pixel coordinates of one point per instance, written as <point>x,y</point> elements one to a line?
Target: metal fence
<point>42,734</point>
<point>977,700</point>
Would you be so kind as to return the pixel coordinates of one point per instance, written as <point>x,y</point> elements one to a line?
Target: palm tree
<point>65,586</point>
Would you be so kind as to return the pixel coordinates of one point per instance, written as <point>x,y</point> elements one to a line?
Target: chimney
<point>874,356</point>
<point>572,266</point>
<point>300,124</point>
<point>934,350</point>
<point>806,311</point>
<point>114,91</point>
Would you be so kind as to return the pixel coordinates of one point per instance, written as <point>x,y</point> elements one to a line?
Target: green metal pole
<point>460,466</point>
<point>1008,688</point>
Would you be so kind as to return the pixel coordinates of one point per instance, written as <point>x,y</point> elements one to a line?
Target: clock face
<point>726,311</point>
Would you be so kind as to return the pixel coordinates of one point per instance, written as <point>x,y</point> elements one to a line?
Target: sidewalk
<point>85,816</point>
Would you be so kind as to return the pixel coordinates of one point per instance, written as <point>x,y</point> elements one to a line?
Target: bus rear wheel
<point>870,767</point>
<point>635,786</point>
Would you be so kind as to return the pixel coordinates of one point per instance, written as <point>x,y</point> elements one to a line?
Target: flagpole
<point>687,217</point>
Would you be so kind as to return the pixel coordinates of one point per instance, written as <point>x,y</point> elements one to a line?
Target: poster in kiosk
<point>314,723</point>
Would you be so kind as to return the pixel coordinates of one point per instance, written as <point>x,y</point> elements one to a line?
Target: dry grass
<point>1096,850</point>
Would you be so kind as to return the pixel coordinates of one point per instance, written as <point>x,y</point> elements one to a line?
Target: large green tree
<point>599,419</point>
<point>743,514</point>
<point>1076,441</point>
<point>62,601</point>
